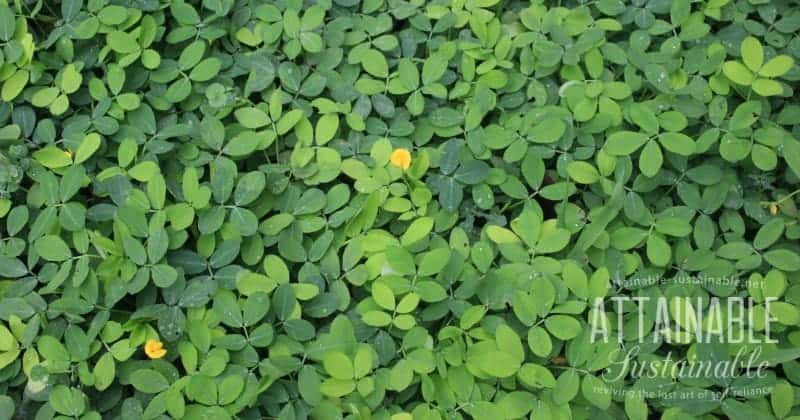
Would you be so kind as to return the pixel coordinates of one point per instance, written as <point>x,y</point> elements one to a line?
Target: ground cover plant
<point>389,209</point>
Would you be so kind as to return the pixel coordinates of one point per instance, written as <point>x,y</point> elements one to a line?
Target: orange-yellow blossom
<point>154,349</point>
<point>401,158</point>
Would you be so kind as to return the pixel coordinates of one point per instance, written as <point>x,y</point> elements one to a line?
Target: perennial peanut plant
<point>399,210</point>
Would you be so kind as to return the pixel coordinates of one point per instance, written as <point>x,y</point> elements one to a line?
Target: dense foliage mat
<point>389,209</point>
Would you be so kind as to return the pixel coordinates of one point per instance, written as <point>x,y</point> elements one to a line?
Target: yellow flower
<point>401,158</point>
<point>773,209</point>
<point>154,349</point>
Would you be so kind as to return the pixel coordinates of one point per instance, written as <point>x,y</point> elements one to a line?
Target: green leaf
<point>67,401</point>
<point>308,382</point>
<point>752,53</point>
<point>251,117</point>
<point>737,72</point>
<point>288,121</point>
<point>205,70</point>
<point>673,226</point>
<point>70,79</point>
<point>7,407</point>
<point>249,187</point>
<point>409,74</point>
<point>377,318</point>
<point>7,23</point>
<point>651,159</point>
<point>333,387</point>
<point>783,259</point>
<point>658,250</point>
<point>782,399</point>
<point>736,410</point>
<point>624,143</point>
<point>767,87</point>
<point>122,42</point>
<point>563,327</point>
<point>7,340</point>
<point>12,267</point>
<point>13,85</point>
<point>383,296</point>
<point>104,372</point>
<point>509,342</point>
<point>327,125</point>
<point>495,363</point>
<point>191,55</point>
<point>501,235</point>
<point>596,391</point>
<point>657,75</point>
<point>284,301</point>
<point>575,279</point>
<point>451,194</point>
<point>433,69</point>
<point>539,341</point>
<point>567,386</point>
<point>89,145</point>
<point>548,131</point>
<point>52,157</point>
<point>230,388</point>
<point>536,376</point>
<point>400,260</point>
<point>777,66</point>
<point>635,406</point>
<point>179,90</point>
<point>677,143</point>
<point>433,262</point>
<point>375,63</point>
<point>44,97</point>
<point>202,389</point>
<point>148,381</point>
<point>583,172</point>
<point>417,230</point>
<point>446,117</point>
<point>338,365</point>
<point>769,233</point>
<point>644,117</point>
<point>52,248</point>
<point>242,145</point>
<point>791,154</point>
